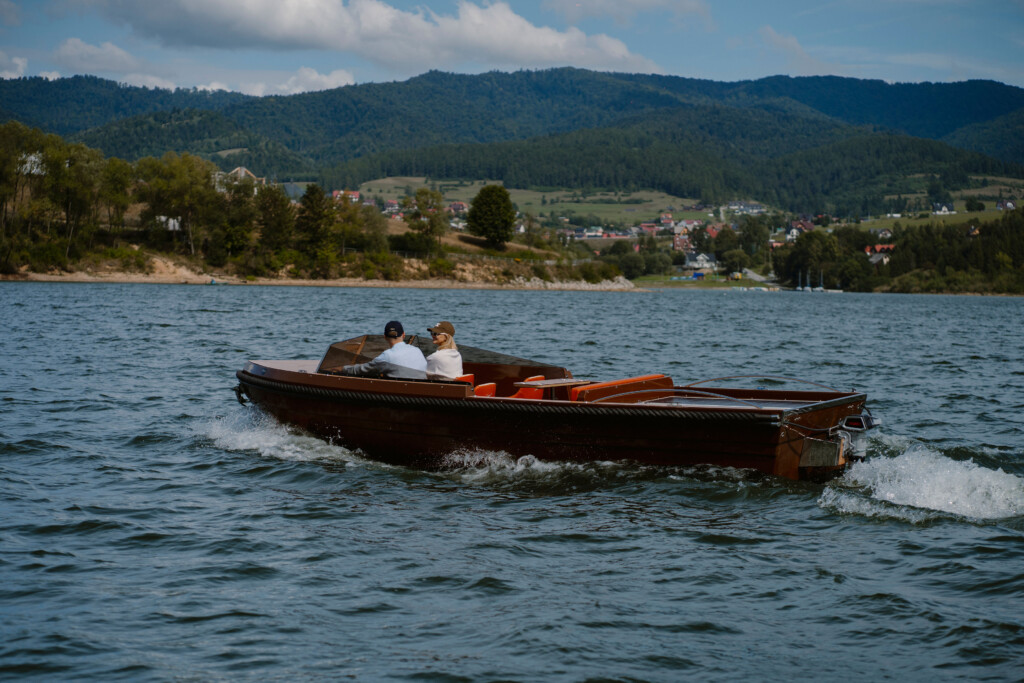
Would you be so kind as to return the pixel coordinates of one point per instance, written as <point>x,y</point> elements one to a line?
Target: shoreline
<point>183,276</point>
<point>186,277</point>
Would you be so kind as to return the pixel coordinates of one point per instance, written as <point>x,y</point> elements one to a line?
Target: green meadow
<point>631,208</point>
<point>626,208</point>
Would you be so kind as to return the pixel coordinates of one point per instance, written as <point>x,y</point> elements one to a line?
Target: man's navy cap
<point>393,329</point>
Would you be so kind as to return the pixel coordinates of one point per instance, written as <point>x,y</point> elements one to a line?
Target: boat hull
<point>429,425</point>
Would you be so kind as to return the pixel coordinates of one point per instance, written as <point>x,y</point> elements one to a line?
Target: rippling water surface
<point>151,528</point>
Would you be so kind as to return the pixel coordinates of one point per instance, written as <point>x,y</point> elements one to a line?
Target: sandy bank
<point>164,271</point>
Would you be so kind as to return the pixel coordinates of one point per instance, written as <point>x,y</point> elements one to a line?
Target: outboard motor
<point>853,430</point>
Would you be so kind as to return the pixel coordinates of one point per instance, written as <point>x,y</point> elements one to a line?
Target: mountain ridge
<point>712,139</point>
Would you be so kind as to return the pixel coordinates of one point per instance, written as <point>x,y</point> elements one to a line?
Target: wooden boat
<point>523,407</point>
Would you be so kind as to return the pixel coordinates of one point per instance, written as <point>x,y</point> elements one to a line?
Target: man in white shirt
<point>401,361</point>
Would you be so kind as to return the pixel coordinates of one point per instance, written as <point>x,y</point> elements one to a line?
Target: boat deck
<point>713,402</point>
<point>744,401</point>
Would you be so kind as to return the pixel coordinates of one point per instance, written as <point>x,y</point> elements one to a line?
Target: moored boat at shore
<point>524,407</point>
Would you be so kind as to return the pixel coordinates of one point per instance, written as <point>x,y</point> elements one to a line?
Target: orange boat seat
<point>466,378</point>
<point>591,392</point>
<point>488,389</point>
<point>527,392</point>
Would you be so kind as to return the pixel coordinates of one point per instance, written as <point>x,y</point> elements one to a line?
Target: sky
<point>280,47</point>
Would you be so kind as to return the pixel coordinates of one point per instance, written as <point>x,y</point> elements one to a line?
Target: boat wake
<point>481,467</point>
<point>497,468</point>
<point>255,431</point>
<point>919,484</point>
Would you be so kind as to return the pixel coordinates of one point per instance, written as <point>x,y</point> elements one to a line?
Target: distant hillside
<point>69,105</point>
<point>927,110</point>
<point>435,108</point>
<point>207,134</point>
<point>1002,137</point>
<point>692,151</point>
<point>710,152</point>
<point>802,143</point>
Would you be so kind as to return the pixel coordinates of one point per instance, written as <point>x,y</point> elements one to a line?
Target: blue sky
<point>267,47</point>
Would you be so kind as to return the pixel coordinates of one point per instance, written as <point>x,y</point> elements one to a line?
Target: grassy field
<point>719,282</point>
<point>961,216</point>
<point>606,206</point>
<point>610,207</point>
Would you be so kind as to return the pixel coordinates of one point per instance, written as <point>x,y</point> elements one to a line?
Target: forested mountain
<point>693,151</point>
<point>208,134</point>
<point>70,105</point>
<point>802,143</point>
<point>927,110</point>
<point>1002,137</point>
<point>712,152</point>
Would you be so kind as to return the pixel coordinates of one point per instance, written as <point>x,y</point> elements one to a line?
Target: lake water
<point>151,528</point>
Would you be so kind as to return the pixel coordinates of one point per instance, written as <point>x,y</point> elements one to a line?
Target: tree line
<point>973,256</point>
<point>62,202</point>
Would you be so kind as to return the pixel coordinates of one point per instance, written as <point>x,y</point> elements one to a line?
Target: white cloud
<point>12,67</point>
<point>49,75</point>
<point>147,81</point>
<point>75,54</point>
<point>214,86</point>
<point>798,59</point>
<point>492,35</point>
<point>309,80</point>
<point>9,14</point>
<point>575,10</point>
<point>303,80</point>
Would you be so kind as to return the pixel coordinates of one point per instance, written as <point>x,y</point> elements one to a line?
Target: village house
<point>681,243</point>
<point>703,262</point>
<point>686,226</point>
<point>1006,205</point>
<point>242,173</point>
<point>746,208</point>
<point>797,228</point>
<point>293,190</point>
<point>879,254</point>
<point>353,196</point>
<point>940,209</point>
<point>237,175</point>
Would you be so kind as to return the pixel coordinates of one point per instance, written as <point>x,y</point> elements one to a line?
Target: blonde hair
<point>448,343</point>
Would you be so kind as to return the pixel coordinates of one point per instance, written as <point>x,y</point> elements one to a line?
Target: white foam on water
<point>486,467</point>
<point>271,439</point>
<point>920,484</point>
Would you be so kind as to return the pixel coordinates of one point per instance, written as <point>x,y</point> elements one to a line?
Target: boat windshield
<point>366,348</point>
